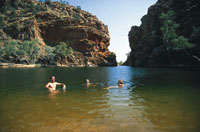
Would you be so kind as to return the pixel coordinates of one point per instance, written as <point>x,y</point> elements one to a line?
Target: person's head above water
<point>120,82</point>
<point>87,81</point>
<point>52,78</point>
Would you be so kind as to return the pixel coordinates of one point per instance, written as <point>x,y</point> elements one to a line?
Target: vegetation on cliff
<point>168,36</point>
<point>28,52</point>
<point>171,40</point>
<point>52,24</point>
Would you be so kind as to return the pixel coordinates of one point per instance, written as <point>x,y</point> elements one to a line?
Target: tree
<point>28,50</point>
<point>79,8</point>
<point>181,43</point>
<point>76,18</point>
<point>168,30</point>
<point>1,52</point>
<point>49,53</point>
<point>10,48</point>
<point>120,63</point>
<point>2,21</point>
<point>31,50</point>
<point>170,39</point>
<point>195,35</point>
<point>63,49</point>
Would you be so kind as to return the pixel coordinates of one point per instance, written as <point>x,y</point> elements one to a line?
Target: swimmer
<point>120,85</point>
<point>52,85</point>
<point>89,84</point>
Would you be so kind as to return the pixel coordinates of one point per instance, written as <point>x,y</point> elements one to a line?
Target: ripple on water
<point>146,103</point>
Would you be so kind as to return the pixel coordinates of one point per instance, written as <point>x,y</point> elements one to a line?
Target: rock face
<point>146,42</point>
<point>52,22</point>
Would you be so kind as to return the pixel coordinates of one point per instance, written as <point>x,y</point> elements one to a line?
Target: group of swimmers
<point>51,86</point>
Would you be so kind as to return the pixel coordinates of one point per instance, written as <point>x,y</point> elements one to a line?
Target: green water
<point>152,100</point>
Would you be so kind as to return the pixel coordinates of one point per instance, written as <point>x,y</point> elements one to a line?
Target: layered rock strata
<point>53,23</point>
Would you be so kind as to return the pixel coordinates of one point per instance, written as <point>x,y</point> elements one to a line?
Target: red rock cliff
<point>53,23</point>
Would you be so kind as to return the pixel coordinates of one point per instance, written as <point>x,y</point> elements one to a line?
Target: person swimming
<point>120,85</point>
<point>90,84</point>
<point>52,85</point>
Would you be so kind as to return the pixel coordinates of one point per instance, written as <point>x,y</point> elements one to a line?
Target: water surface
<point>152,100</point>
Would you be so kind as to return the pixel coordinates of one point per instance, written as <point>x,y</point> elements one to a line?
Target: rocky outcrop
<point>52,22</point>
<point>146,42</point>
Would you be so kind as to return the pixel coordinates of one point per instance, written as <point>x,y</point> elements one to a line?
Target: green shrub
<point>181,43</point>
<point>13,13</point>
<point>63,49</point>
<point>1,51</point>
<point>2,21</point>
<point>195,35</point>
<point>171,40</point>
<point>31,50</point>
<point>120,63</point>
<point>79,8</point>
<point>32,29</point>
<point>32,8</point>
<point>28,50</point>
<point>10,48</point>
<point>6,7</point>
<point>39,20</point>
<point>49,52</point>
<point>76,18</point>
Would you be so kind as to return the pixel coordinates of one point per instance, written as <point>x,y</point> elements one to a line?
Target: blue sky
<point>119,15</point>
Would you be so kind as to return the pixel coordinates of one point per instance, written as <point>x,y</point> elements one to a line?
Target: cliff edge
<point>146,40</point>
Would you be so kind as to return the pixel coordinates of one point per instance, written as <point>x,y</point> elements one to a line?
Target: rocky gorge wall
<point>146,42</point>
<point>51,23</point>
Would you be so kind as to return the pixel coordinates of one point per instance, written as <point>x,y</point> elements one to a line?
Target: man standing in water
<point>52,85</point>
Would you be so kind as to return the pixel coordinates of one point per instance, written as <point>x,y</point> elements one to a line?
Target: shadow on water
<point>151,100</point>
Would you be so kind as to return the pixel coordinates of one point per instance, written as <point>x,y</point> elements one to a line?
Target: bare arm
<point>48,87</point>
<point>110,87</point>
<point>61,84</point>
<point>119,86</point>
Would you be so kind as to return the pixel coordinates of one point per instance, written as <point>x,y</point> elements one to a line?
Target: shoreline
<point>14,65</point>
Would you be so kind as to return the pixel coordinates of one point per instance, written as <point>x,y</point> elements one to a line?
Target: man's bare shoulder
<point>48,83</point>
